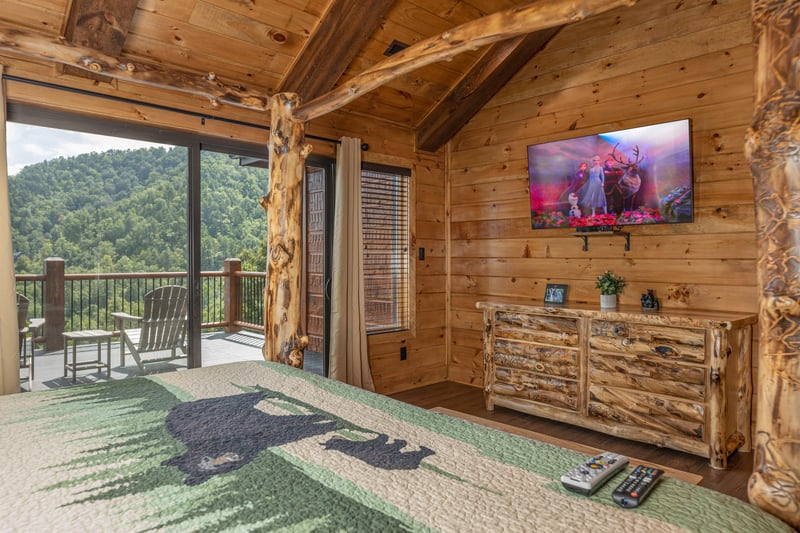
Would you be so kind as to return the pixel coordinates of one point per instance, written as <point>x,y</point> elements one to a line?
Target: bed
<point>263,446</point>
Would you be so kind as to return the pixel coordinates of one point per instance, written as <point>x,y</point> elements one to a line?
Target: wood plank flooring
<point>469,400</point>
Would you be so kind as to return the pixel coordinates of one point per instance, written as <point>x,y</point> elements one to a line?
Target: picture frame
<point>555,293</point>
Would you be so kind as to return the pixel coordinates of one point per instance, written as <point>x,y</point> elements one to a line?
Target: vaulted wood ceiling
<point>302,46</point>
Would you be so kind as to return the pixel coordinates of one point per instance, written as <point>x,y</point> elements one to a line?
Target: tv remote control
<point>591,475</point>
<point>636,486</point>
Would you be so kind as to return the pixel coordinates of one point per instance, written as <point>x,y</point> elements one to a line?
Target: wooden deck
<point>217,348</point>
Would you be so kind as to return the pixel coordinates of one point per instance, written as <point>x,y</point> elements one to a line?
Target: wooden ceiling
<point>303,46</point>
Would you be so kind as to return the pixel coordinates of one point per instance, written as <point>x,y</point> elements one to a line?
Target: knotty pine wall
<point>388,144</point>
<point>657,61</point>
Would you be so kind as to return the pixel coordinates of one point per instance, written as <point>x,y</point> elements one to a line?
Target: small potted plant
<point>610,285</point>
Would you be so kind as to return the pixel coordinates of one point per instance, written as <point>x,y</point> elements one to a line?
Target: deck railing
<point>230,299</point>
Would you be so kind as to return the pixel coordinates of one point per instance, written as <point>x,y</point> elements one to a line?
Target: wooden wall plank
<point>688,246</point>
<point>650,41</point>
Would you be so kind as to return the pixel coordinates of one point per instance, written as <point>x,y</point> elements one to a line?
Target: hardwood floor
<point>466,399</point>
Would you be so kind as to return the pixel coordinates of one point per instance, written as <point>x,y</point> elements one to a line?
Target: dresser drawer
<point>562,362</point>
<point>529,386</point>
<point>666,342</point>
<point>545,329</point>
<point>645,374</point>
<point>664,415</point>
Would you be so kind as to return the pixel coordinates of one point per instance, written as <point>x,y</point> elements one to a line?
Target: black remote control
<point>636,486</point>
<point>586,478</point>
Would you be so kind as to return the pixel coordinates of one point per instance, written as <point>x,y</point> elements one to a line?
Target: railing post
<point>233,295</point>
<point>54,302</point>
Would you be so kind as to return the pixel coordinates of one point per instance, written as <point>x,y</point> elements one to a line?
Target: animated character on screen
<point>574,210</point>
<point>593,195</point>
<point>613,192</point>
<point>631,181</point>
<point>576,182</point>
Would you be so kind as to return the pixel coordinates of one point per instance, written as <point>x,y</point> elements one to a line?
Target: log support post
<point>772,147</point>
<point>287,154</point>
<point>716,341</point>
<point>488,357</point>
<point>744,386</point>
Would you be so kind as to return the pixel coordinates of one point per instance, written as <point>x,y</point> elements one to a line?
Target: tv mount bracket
<point>604,231</point>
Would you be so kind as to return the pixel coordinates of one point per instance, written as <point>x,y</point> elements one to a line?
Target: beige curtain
<point>348,357</point>
<point>9,332</point>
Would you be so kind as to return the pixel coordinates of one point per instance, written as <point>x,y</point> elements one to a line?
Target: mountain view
<point>125,211</point>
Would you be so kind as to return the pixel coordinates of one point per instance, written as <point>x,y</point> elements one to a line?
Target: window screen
<point>384,206</point>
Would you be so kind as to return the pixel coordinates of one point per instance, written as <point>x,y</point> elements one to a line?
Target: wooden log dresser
<point>677,378</point>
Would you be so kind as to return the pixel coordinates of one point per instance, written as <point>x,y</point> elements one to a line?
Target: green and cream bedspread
<point>261,446</point>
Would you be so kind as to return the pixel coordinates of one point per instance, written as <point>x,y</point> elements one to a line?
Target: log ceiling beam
<point>484,31</point>
<point>58,50</point>
<point>492,71</point>
<point>100,24</point>
<point>342,32</point>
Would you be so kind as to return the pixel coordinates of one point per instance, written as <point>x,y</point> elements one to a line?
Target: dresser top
<point>698,318</point>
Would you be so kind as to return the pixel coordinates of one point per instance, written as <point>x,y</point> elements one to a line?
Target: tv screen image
<point>634,176</point>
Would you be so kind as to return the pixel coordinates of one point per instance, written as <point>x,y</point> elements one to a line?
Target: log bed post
<point>283,340</point>
<point>773,148</point>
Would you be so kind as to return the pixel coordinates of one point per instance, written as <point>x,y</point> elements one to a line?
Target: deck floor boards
<point>217,348</point>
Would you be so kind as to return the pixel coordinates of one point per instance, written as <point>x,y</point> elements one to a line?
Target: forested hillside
<point>125,211</point>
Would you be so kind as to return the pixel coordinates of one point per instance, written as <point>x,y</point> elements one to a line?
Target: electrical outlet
<point>403,353</point>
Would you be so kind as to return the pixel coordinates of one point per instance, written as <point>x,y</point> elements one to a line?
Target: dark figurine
<point>649,301</point>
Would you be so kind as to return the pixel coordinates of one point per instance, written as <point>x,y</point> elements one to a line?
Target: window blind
<point>384,208</point>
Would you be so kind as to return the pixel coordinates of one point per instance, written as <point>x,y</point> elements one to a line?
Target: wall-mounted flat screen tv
<point>634,176</point>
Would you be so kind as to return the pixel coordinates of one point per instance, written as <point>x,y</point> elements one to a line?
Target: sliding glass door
<point>317,224</point>
<point>233,252</point>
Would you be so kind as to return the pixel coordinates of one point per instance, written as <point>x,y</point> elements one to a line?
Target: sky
<point>27,145</point>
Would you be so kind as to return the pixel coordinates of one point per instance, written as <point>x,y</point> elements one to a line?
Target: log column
<point>287,154</point>
<point>773,148</point>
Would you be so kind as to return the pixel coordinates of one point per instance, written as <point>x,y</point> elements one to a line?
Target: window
<point>384,208</point>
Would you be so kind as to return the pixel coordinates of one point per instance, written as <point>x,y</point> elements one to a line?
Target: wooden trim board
<point>688,477</point>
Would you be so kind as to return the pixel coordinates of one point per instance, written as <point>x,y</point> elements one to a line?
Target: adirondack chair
<point>22,324</point>
<point>161,329</point>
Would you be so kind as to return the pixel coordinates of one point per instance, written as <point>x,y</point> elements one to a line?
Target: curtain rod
<point>120,99</point>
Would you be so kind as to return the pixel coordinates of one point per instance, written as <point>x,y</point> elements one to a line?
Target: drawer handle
<point>666,351</point>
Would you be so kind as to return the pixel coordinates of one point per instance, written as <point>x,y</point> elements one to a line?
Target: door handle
<point>328,288</point>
